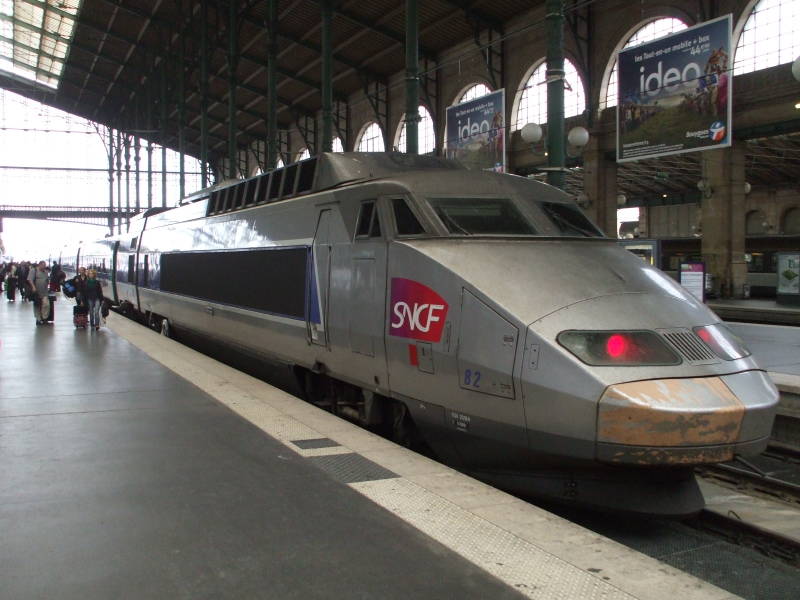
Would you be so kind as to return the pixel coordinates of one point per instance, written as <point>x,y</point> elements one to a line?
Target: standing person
<point>22,279</point>
<point>57,277</point>
<point>39,286</point>
<point>94,296</point>
<point>80,287</point>
<point>11,282</point>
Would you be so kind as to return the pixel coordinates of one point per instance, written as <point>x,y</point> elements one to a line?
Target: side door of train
<point>367,295</point>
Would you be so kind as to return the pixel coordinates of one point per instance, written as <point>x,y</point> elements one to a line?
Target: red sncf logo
<point>416,311</point>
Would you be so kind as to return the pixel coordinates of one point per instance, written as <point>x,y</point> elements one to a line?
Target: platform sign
<point>476,132</point>
<point>789,277</point>
<point>675,93</point>
<point>693,278</point>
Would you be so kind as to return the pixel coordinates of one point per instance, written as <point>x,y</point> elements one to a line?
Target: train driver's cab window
<point>369,225</point>
<point>481,216</point>
<point>405,219</point>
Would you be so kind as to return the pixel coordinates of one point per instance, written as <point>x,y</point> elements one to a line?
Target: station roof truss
<point>771,162</point>
<point>124,58</point>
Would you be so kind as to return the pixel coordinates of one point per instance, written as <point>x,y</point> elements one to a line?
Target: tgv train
<point>480,312</point>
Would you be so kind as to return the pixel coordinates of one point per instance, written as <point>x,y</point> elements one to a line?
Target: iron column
<point>163,133</point>
<point>110,148</point>
<point>182,115</point>
<point>555,92</point>
<point>119,181</point>
<point>327,77</point>
<point>272,85</point>
<point>204,91</point>
<point>412,77</point>
<point>137,155</point>
<point>232,62</point>
<point>127,179</point>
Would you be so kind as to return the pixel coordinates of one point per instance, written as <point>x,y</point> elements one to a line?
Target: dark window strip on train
<point>272,281</point>
<point>279,184</point>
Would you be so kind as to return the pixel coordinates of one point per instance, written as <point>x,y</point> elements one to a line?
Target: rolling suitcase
<point>51,314</point>
<point>80,316</point>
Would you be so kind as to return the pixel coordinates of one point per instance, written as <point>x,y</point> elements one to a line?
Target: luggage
<point>80,316</point>
<point>51,314</point>
<point>69,288</point>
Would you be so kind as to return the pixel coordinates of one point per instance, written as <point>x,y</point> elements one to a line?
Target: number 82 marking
<point>472,378</point>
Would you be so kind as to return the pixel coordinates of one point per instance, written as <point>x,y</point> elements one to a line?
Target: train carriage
<point>482,312</point>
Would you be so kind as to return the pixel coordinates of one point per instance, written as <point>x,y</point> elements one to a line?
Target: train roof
<point>322,172</point>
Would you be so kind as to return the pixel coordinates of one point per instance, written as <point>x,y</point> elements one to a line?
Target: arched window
<point>755,223</point>
<point>532,98</point>
<point>279,163</point>
<point>647,33</point>
<point>371,139</point>
<point>337,145</point>
<point>425,132</point>
<point>473,92</point>
<point>771,36</point>
<point>303,154</point>
<point>791,221</point>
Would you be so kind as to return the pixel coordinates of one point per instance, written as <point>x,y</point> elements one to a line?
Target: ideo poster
<point>476,133</point>
<point>675,93</point>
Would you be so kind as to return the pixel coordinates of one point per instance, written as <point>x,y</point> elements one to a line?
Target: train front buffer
<point>644,391</point>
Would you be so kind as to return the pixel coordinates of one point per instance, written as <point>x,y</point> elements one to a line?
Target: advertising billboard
<point>476,132</point>
<point>675,93</point>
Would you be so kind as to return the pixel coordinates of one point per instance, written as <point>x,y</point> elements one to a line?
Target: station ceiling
<point>119,46</point>
<point>112,71</point>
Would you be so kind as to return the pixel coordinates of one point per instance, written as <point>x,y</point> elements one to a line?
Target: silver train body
<point>461,303</point>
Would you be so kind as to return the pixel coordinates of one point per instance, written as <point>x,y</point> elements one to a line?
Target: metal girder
<point>377,94</point>
<point>341,122</point>
<point>307,126</point>
<point>96,56</point>
<point>578,16</point>
<point>142,30</point>
<point>110,121</point>
<point>472,14</point>
<point>361,68</point>
<point>216,46</point>
<point>384,31</point>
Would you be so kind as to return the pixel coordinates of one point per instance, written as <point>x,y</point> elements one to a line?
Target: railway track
<point>775,474</point>
<point>733,529</point>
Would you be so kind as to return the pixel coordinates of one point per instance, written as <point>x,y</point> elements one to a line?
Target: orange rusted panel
<point>677,456</point>
<point>670,412</point>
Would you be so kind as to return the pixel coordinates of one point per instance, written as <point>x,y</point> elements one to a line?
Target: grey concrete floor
<point>119,479</point>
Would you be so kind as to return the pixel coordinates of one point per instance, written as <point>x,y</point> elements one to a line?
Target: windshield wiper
<point>455,225</point>
<point>559,219</point>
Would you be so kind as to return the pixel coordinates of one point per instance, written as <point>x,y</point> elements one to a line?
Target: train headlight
<point>618,348</point>
<point>722,341</point>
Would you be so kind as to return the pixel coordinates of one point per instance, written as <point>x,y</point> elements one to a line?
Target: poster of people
<point>476,132</point>
<point>675,93</point>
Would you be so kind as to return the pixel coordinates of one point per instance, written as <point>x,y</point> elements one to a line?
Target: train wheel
<point>404,430</point>
<point>166,330</point>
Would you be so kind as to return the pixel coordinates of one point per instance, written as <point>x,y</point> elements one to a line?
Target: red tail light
<point>618,348</point>
<point>722,341</point>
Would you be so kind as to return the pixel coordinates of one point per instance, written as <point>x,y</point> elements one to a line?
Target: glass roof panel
<point>34,38</point>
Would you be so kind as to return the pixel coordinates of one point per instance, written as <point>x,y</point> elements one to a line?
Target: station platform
<point>132,466</point>
<point>755,310</point>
